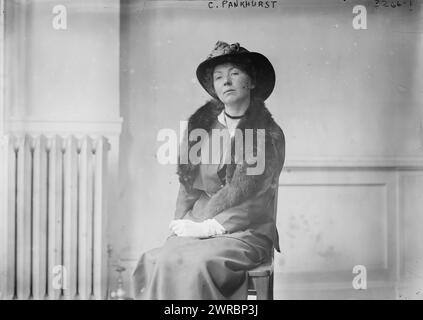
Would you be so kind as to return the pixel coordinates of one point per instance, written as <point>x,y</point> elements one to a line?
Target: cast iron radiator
<point>53,222</point>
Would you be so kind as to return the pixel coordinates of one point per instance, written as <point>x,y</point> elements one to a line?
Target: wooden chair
<point>260,279</point>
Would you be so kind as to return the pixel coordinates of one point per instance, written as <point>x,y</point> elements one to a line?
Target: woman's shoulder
<point>273,130</point>
<point>276,131</point>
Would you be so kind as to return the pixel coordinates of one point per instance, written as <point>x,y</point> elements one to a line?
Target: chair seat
<point>263,270</point>
<point>260,281</point>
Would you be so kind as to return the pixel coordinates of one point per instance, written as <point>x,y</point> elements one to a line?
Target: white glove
<point>188,228</point>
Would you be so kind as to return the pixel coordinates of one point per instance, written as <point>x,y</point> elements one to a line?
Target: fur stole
<point>239,185</point>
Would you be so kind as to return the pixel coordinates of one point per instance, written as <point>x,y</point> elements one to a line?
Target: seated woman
<point>224,223</point>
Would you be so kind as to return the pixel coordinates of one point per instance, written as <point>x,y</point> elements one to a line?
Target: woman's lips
<point>228,91</point>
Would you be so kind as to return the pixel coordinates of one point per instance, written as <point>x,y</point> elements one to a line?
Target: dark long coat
<point>215,267</point>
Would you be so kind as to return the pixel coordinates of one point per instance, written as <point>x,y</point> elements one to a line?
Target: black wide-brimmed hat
<point>222,53</point>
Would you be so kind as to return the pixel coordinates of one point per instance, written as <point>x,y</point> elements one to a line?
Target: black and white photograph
<point>219,150</point>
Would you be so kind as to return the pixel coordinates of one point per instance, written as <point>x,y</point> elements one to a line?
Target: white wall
<point>349,103</point>
<point>69,74</point>
<point>2,162</point>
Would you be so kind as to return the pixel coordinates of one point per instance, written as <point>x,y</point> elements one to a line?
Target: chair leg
<point>262,284</point>
<point>270,288</point>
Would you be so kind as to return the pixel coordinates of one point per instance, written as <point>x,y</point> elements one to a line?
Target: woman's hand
<point>188,228</point>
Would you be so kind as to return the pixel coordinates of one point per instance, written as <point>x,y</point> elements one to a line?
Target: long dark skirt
<point>195,269</point>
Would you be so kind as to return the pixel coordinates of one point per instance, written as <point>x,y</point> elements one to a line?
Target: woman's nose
<point>228,80</point>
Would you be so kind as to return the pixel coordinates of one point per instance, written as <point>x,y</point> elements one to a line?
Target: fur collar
<point>239,186</point>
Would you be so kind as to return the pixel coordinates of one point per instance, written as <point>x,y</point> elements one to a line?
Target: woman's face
<point>231,84</point>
